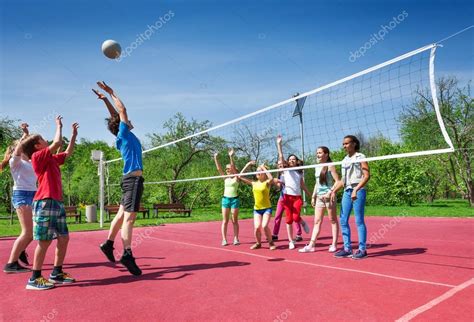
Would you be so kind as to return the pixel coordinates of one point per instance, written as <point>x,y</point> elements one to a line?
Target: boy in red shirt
<point>49,216</point>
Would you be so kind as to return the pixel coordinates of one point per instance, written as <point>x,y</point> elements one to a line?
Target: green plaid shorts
<point>49,218</point>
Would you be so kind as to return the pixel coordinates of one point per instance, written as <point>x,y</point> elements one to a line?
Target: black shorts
<point>132,191</point>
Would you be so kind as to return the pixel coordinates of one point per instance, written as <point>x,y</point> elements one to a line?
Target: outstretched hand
<point>231,152</point>
<point>75,126</point>
<point>24,128</point>
<point>105,87</point>
<point>59,122</point>
<point>100,96</point>
<point>252,162</point>
<point>279,139</point>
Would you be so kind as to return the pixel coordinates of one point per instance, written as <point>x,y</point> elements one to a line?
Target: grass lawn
<point>440,208</point>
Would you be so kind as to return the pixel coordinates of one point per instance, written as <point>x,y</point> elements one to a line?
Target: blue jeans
<point>346,207</point>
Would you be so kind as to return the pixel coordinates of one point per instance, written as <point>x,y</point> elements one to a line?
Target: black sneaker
<point>343,253</point>
<point>13,268</point>
<point>298,238</point>
<point>61,278</point>
<point>274,237</point>
<point>24,258</point>
<point>129,263</point>
<point>360,254</point>
<point>108,251</point>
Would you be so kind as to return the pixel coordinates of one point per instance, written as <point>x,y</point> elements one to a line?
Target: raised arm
<point>26,132</point>
<point>110,107</point>
<point>118,103</point>
<point>242,178</point>
<point>218,165</point>
<point>269,174</point>
<point>72,141</point>
<point>58,136</point>
<point>232,163</point>
<point>281,158</point>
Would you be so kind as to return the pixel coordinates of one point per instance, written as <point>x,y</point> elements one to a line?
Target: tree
<point>9,131</point>
<point>420,130</point>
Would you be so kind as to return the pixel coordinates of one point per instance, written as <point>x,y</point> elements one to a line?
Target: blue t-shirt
<point>130,149</point>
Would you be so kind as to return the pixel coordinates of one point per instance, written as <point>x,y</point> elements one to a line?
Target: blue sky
<point>213,60</point>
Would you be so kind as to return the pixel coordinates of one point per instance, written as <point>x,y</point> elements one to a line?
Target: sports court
<point>421,269</point>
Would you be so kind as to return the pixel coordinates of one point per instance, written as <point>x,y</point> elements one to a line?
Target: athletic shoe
<point>298,238</point>
<point>129,263</point>
<point>360,254</point>
<point>61,278</point>
<point>307,249</point>
<point>24,257</point>
<point>343,253</point>
<point>332,249</point>
<point>256,246</point>
<point>12,268</point>
<point>224,242</point>
<point>236,241</point>
<point>274,237</point>
<point>291,245</point>
<point>39,284</point>
<point>305,226</point>
<point>108,251</point>
<point>272,246</point>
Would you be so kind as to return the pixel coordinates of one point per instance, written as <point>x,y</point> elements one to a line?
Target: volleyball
<point>111,49</point>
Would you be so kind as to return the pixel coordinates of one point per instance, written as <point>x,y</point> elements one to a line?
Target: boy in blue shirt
<point>132,181</point>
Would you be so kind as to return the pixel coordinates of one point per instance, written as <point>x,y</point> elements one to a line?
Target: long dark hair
<point>355,140</point>
<point>323,175</point>
<point>299,162</point>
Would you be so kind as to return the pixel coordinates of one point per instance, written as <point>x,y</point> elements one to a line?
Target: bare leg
<point>61,249</point>
<point>116,224</point>
<point>225,222</point>
<point>334,225</point>
<point>127,228</point>
<point>25,216</point>
<point>318,220</point>
<point>266,229</point>
<point>257,224</point>
<point>289,230</point>
<point>235,221</point>
<point>40,253</point>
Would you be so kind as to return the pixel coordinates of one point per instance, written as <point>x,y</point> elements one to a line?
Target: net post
<point>101,189</point>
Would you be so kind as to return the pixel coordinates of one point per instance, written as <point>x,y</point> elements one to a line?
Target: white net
<point>373,104</point>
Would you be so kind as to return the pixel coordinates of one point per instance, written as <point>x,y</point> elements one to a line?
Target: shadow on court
<point>156,273</point>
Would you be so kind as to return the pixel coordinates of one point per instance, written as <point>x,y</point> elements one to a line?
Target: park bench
<point>177,208</point>
<point>72,211</point>
<point>111,210</point>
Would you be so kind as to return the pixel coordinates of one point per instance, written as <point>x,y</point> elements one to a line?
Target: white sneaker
<point>332,249</point>
<point>236,241</point>
<point>224,242</point>
<point>307,249</point>
<point>305,226</point>
<point>291,245</point>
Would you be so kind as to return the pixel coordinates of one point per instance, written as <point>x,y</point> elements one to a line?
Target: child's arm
<point>269,175</point>
<point>242,178</point>
<point>110,107</point>
<point>281,158</point>
<point>58,136</point>
<point>72,142</point>
<point>118,103</point>
<point>218,165</point>
<point>24,128</point>
<point>303,186</point>
<point>232,164</point>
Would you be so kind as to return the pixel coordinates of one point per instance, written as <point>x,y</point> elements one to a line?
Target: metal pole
<point>302,155</point>
<point>101,189</point>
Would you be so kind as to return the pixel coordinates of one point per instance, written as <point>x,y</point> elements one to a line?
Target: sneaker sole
<point>358,258</point>
<point>60,282</point>
<point>348,256</point>
<point>16,272</point>
<point>30,287</point>
<point>138,273</point>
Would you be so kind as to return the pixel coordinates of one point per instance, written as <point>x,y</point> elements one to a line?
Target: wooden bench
<point>71,211</point>
<point>178,208</point>
<point>113,209</point>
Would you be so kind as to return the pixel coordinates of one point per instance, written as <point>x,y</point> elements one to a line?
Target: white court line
<point>410,315</point>
<point>306,263</point>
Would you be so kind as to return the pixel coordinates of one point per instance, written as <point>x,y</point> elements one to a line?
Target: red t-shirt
<point>46,167</point>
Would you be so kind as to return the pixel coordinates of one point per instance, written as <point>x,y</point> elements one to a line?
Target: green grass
<point>440,208</point>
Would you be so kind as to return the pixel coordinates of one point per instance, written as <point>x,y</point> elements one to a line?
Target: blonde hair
<point>8,154</point>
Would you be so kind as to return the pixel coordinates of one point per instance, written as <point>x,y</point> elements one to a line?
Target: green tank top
<point>231,187</point>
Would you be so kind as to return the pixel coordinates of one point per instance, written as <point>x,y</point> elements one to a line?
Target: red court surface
<point>419,269</point>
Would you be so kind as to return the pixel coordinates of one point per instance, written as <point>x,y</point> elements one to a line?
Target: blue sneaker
<point>360,254</point>
<point>39,284</point>
<point>343,253</point>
